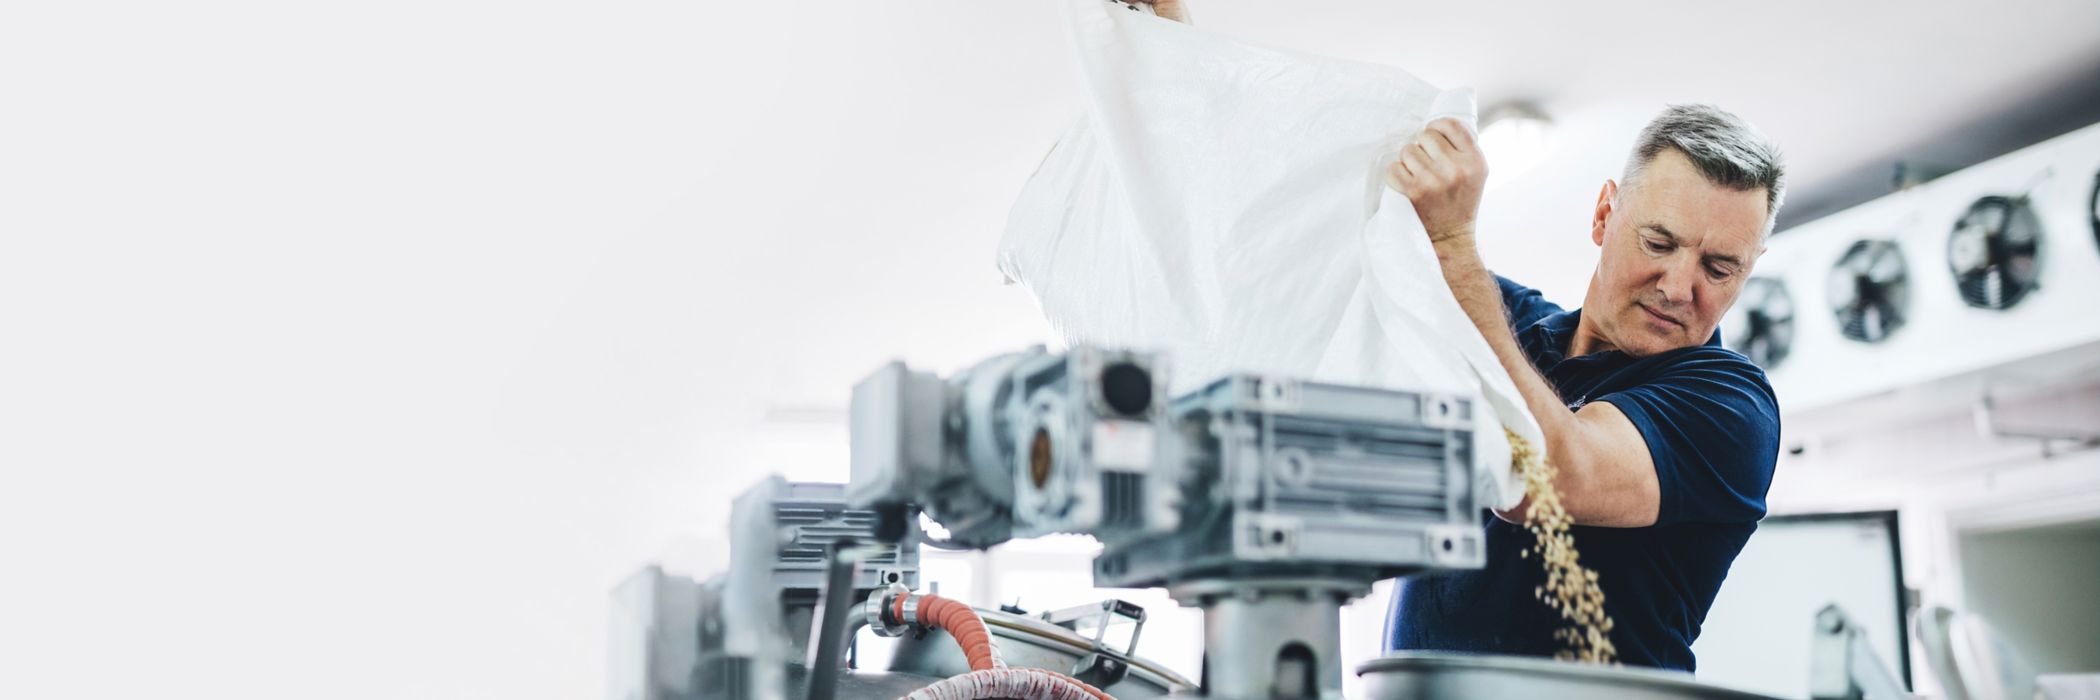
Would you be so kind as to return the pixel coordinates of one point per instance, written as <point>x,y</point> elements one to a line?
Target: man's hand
<point>1170,9</point>
<point>1443,173</point>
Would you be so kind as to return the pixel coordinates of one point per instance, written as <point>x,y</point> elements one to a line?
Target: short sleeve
<point>1524,304</point>
<point>1711,423</point>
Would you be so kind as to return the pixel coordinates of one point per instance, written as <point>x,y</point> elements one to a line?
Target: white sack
<point>1225,203</point>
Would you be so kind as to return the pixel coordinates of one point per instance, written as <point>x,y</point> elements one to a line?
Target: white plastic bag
<point>1225,203</point>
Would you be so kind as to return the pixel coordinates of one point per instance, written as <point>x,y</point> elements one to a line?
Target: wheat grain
<point>1570,588</point>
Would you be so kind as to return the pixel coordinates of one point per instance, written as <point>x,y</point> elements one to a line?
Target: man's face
<point>1676,251</point>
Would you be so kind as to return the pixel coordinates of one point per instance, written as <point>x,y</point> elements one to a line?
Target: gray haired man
<point>1664,441</point>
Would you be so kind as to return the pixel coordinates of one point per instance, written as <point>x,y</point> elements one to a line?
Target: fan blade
<point>1887,267</point>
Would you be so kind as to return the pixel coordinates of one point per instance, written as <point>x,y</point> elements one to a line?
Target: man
<point>1664,441</point>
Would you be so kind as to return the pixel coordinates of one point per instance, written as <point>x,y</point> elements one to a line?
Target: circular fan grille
<point>1869,291</point>
<point>1994,252</point>
<point>2096,209</point>
<point>1761,326</point>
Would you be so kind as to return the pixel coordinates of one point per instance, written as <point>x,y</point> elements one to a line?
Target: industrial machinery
<point>1267,502</point>
<point>1869,291</point>
<point>2016,236</point>
<point>737,635</point>
<point>1994,252</point>
<point>1024,444</point>
<point>807,573</point>
<point>1761,324</point>
<point>2093,208</point>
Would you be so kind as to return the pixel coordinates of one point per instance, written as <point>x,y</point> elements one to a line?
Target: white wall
<point>358,350</point>
<point>2035,589</point>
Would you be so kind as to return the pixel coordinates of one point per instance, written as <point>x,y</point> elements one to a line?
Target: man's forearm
<point>1481,299</point>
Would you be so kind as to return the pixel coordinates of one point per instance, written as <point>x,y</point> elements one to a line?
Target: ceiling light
<point>1516,136</point>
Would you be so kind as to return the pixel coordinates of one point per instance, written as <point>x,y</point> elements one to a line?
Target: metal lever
<point>828,636</point>
<point>1102,666</point>
<point>1844,667</point>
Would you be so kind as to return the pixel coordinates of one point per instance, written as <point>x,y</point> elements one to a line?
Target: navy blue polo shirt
<point>1712,425</point>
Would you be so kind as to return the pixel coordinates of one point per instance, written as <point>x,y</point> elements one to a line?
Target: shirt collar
<point>1546,340</point>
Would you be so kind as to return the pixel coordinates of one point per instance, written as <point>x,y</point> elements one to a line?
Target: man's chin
<point>1655,345</point>
<point>1663,345</point>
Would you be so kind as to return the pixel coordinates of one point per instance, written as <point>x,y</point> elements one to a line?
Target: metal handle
<point>1103,666</point>
<point>828,638</point>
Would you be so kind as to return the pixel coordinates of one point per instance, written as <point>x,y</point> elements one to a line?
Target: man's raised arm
<point>1605,474</point>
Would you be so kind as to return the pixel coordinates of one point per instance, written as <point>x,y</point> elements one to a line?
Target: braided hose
<point>1021,683</point>
<point>1098,693</point>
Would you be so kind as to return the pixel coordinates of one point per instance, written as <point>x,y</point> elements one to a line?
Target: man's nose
<point>1677,282</point>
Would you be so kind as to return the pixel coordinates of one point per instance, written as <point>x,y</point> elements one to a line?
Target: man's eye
<point>1719,272</point>
<point>1655,246</point>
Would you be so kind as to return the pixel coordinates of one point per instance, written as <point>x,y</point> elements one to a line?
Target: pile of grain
<point>1571,588</point>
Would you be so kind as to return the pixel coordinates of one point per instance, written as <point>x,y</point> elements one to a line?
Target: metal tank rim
<point>1549,670</point>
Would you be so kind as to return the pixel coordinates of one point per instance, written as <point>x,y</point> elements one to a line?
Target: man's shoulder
<point>1711,381</point>
<point>1524,304</point>
<point>1712,424</point>
<point>1713,362</point>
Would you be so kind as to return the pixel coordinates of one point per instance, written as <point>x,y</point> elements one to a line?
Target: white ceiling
<point>396,331</point>
<point>1836,83</point>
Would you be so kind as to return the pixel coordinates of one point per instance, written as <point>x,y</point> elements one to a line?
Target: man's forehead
<point>1673,198</point>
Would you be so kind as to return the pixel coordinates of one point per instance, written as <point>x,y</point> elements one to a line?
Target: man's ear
<point>1603,213</point>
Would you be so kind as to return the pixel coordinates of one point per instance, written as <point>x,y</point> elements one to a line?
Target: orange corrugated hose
<point>963,624</point>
